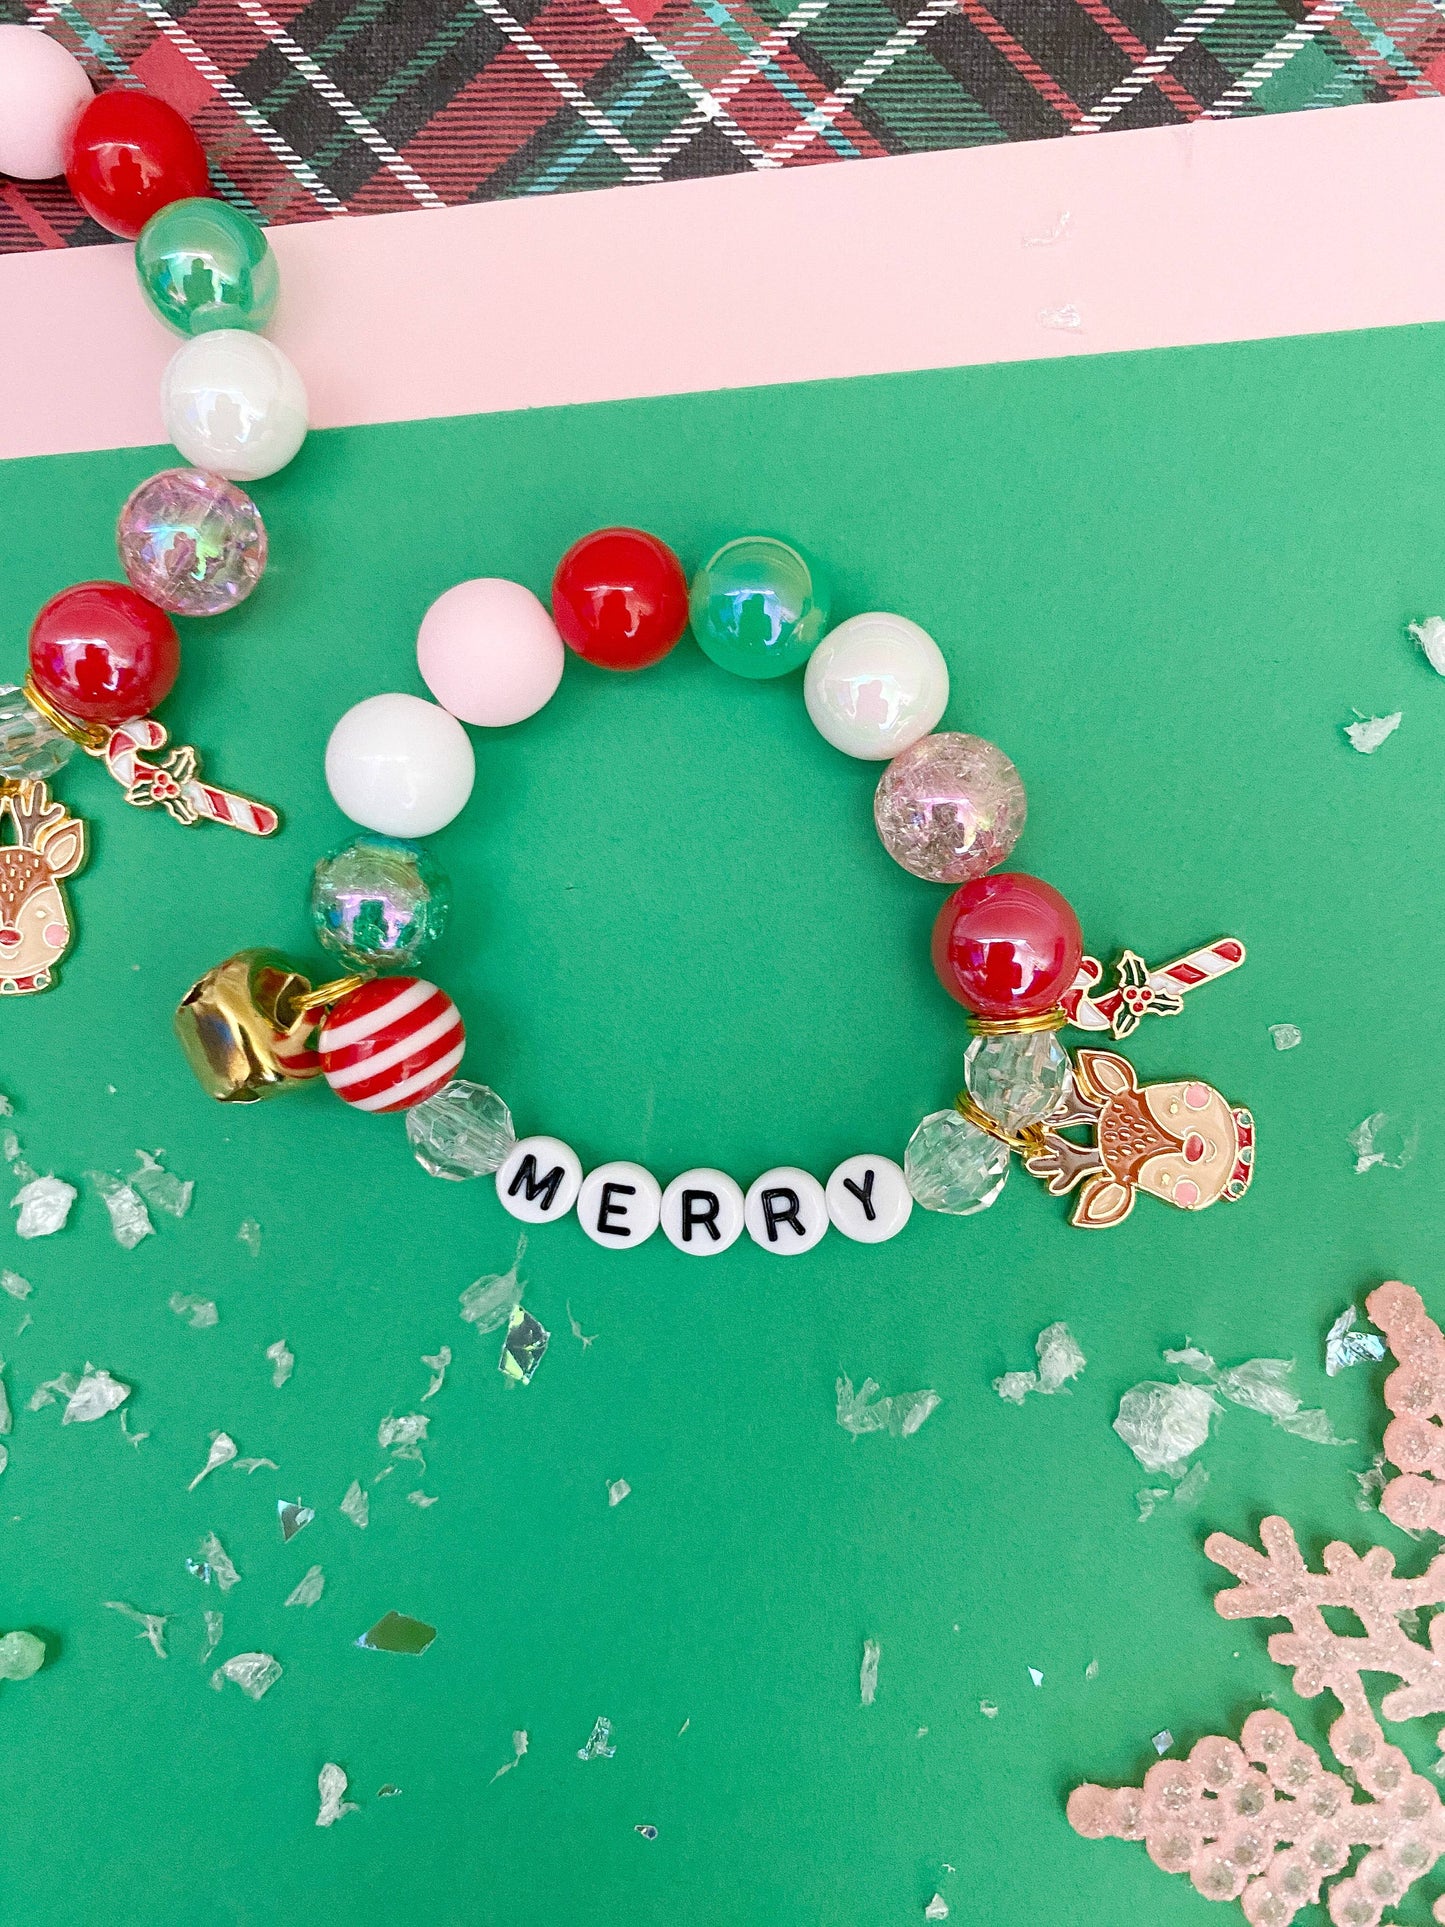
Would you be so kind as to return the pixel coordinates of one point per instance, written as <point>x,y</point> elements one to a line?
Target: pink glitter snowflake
<point>1264,1822</point>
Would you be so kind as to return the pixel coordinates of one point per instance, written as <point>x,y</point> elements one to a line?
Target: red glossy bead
<point>103,654</point>
<point>1007,945</point>
<point>130,155</point>
<point>619,598</point>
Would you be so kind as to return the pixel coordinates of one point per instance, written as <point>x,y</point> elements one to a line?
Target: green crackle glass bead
<point>202,265</point>
<point>759,607</point>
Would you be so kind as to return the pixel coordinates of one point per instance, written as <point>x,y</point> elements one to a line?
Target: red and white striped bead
<point>391,1043</point>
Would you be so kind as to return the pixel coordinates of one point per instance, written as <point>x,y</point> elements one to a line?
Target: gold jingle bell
<point>247,1027</point>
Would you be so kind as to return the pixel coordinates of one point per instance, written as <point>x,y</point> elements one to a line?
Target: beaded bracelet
<point>104,654</point>
<point>949,807</point>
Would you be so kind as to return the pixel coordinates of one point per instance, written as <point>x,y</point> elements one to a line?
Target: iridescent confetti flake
<point>331,1785</point>
<point>648,1832</point>
<point>868,1672</point>
<point>254,1673</point>
<point>136,1438</point>
<point>212,1565</point>
<point>223,1450</point>
<point>250,1236</point>
<point>489,1303</point>
<point>255,1465</point>
<point>1036,1676</point>
<point>436,1363</point>
<point>1377,1140</point>
<point>1186,1493</point>
<point>1066,319</point>
<point>357,1504</point>
<point>308,1588</point>
<point>519,1748</point>
<point>159,1187</point>
<point>398,1633</point>
<point>863,1411</point>
<point>523,1348</point>
<point>44,1205</point>
<point>87,1398</point>
<point>129,1219</point>
<point>1344,1346</point>
<point>599,1742</point>
<point>152,1625</point>
<point>1429,632</point>
<point>293,1517</point>
<point>617,1491</point>
<point>404,1437</point>
<point>388,1792</point>
<point>215,1627</point>
<point>586,1338</point>
<point>16,1286</point>
<point>1091,1671</point>
<point>989,1709</point>
<point>6,1420</point>
<point>283,1362</point>
<point>199,1313</point>
<point>1367,734</point>
<point>937,1908</point>
<point>1060,1359</point>
<point>1162,1741</point>
<point>1285,1036</point>
<point>422,1499</point>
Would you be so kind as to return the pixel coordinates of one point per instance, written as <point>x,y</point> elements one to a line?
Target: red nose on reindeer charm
<point>1183,1143</point>
<point>49,845</point>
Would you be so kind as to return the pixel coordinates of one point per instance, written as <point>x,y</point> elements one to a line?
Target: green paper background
<point>1162,582</point>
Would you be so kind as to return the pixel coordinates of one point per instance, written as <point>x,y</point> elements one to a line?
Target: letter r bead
<point>702,1212</point>
<point>785,1211</point>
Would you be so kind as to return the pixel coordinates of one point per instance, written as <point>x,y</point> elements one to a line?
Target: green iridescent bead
<point>758,607</point>
<point>203,265</point>
<point>379,903</point>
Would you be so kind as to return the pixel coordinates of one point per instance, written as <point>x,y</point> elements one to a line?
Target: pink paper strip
<point>1291,224</point>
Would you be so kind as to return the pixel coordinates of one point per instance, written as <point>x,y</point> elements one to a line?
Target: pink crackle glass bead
<point>950,808</point>
<point>192,542</point>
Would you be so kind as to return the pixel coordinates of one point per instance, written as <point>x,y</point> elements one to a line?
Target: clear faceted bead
<point>464,1131</point>
<point>953,1166</point>
<point>1018,1078</point>
<point>29,746</point>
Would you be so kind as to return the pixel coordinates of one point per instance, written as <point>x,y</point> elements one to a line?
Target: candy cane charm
<point>1141,992</point>
<point>175,784</point>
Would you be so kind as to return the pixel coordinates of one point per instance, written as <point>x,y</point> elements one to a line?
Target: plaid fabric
<point>309,108</point>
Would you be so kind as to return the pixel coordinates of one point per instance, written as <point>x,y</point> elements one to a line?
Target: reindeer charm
<point>49,845</point>
<point>1180,1142</point>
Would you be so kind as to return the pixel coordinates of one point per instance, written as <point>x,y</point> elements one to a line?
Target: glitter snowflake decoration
<point>1264,1821</point>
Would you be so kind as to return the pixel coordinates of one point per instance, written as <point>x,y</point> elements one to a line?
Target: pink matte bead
<point>43,91</point>
<point>489,652</point>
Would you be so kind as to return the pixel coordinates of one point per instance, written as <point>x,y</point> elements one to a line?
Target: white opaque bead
<point>489,652</point>
<point>875,684</point>
<point>540,1180</point>
<point>400,765</point>
<point>868,1199</point>
<point>234,404</point>
<point>785,1211</point>
<point>619,1205</point>
<point>702,1212</point>
<point>43,92</point>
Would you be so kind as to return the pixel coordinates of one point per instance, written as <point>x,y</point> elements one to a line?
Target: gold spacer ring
<point>90,736</point>
<point>327,994</point>
<point>1054,1019</point>
<point>1028,1143</point>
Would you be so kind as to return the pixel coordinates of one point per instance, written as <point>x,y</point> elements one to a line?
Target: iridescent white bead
<point>868,1199</point>
<point>540,1180</point>
<point>619,1205</point>
<point>702,1212</point>
<point>234,404</point>
<point>785,1211</point>
<point>875,684</point>
<point>399,765</point>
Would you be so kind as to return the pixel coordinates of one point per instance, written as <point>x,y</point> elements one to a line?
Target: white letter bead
<point>785,1211</point>
<point>702,1212</point>
<point>619,1205</point>
<point>869,1199</point>
<point>540,1180</point>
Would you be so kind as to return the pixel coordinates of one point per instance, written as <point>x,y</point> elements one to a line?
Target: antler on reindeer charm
<point>1182,1143</point>
<point>49,845</point>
